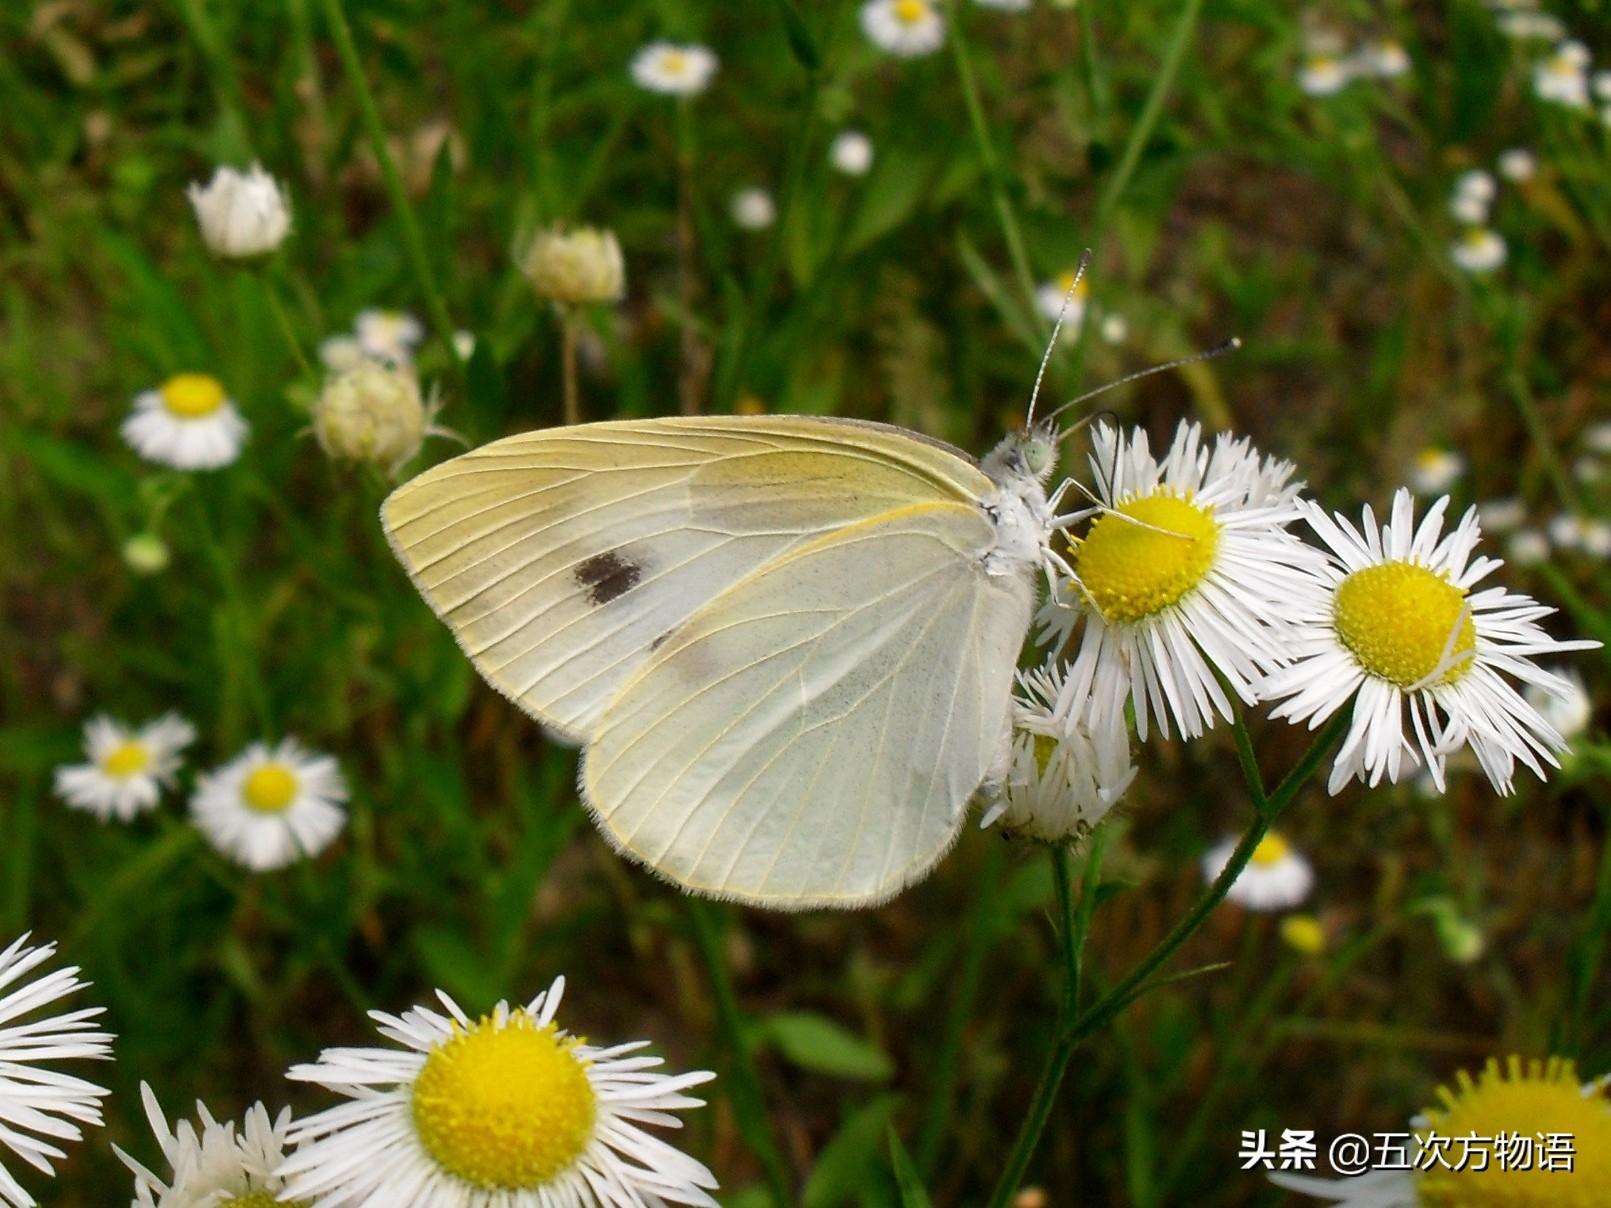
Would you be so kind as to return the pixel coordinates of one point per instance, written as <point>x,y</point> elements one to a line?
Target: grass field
<point>1237,169</point>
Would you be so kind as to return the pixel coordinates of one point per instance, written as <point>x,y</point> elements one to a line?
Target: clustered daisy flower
<point>1392,626</point>
<point>574,267</point>
<point>188,423</point>
<point>128,767</point>
<point>41,1108</point>
<point>505,1111</point>
<point>271,805</point>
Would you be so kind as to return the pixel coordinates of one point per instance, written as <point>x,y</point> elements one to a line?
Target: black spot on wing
<point>607,576</point>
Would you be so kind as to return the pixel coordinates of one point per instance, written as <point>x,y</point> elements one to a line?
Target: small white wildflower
<point>1115,329</point>
<point>851,153</point>
<point>128,766</point>
<point>904,28</point>
<point>271,806</point>
<point>1597,437</point>
<point>1502,515</point>
<point>373,412</point>
<point>1324,75</point>
<point>674,70</point>
<point>1518,164</point>
<point>1276,877</point>
<point>188,423</point>
<point>574,268</point>
<point>1479,250</point>
<point>1385,58</point>
<point>1527,547</point>
<point>241,214</point>
<point>1435,470</point>
<point>1563,78</point>
<point>341,353</point>
<point>1566,530</point>
<point>215,1166</point>
<point>389,335</point>
<point>753,209</point>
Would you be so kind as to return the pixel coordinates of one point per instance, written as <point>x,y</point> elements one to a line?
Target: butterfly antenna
<point>1057,328</point>
<point>1219,350</point>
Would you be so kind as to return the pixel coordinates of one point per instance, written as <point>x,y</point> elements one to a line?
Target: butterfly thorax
<point>1018,467</point>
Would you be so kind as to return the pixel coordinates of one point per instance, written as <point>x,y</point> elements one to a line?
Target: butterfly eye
<point>1038,455</point>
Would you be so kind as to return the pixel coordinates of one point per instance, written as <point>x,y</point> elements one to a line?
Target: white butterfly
<point>787,643</point>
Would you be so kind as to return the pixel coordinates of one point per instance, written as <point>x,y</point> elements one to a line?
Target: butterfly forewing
<point>562,558</point>
<point>813,735</point>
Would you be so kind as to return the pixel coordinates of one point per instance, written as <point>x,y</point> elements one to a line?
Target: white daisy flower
<point>341,353</point>
<point>1276,876</point>
<point>1502,515</point>
<point>851,153</point>
<point>271,806</point>
<point>1478,183</point>
<point>1324,75</point>
<point>388,335</point>
<point>753,209</point>
<point>508,1111</point>
<point>1597,437</point>
<point>1527,547</point>
<point>1469,209</point>
<point>1564,77</point>
<point>1184,578</point>
<point>1536,1098</point>
<point>1435,470</point>
<point>215,1167</point>
<point>1054,298</point>
<point>188,423</point>
<point>1114,329</point>
<point>464,344</point>
<point>1526,25</point>
<point>241,214</point>
<point>1570,710</point>
<point>1518,164</point>
<point>1596,538</point>
<point>1065,775</point>
<point>128,768</point>
<point>1386,59</point>
<point>674,70</point>
<point>40,1106</point>
<point>1566,531</point>
<point>1479,250</point>
<point>1392,624</point>
<point>905,28</point>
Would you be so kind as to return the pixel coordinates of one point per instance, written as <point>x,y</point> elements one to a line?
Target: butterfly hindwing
<point>813,735</point>
<point>561,558</point>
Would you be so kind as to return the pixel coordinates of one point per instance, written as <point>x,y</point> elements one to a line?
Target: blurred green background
<point>1226,201</point>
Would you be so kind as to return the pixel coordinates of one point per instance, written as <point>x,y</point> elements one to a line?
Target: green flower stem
<point>567,337</point>
<point>987,152</point>
<point>413,240</point>
<point>221,68</point>
<point>282,319</point>
<point>1268,807</point>
<point>743,1082</point>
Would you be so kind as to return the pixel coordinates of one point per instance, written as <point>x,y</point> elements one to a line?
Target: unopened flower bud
<point>575,267</point>
<point>241,214</point>
<point>146,554</point>
<point>372,413</point>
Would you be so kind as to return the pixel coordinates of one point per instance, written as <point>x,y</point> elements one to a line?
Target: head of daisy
<point>913,12</point>
<point>1405,624</point>
<point>1145,554</point>
<point>1071,281</point>
<point>1272,849</point>
<point>270,787</point>
<point>1544,1101</point>
<point>192,395</point>
<point>505,1104</point>
<point>130,757</point>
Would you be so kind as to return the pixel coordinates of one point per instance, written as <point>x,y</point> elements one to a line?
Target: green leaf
<point>898,182</point>
<point>76,468</point>
<point>907,1180</point>
<point>801,42</point>
<point>852,1157</point>
<point>816,1043</point>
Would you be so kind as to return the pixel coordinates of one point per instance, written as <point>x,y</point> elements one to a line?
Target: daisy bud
<point>372,413</point>
<point>575,267</point>
<point>241,214</point>
<point>146,554</point>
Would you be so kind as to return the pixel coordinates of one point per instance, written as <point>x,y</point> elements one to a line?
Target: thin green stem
<point>744,1080</point>
<point>1134,983</point>
<point>234,603</point>
<point>413,239</point>
<point>567,337</point>
<point>221,69</point>
<point>282,319</point>
<point>959,1009</point>
<point>987,152</point>
<point>1090,880</point>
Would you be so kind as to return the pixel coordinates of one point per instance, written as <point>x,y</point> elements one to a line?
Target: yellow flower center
<point>505,1108</point>
<point>674,63</point>
<point>910,12</point>
<point>1475,237</point>
<point>1322,64</point>
<point>1303,933</point>
<point>1045,747</point>
<point>192,395</point>
<point>1134,570</point>
<point>126,759</point>
<point>1272,849</point>
<point>1065,282</point>
<point>1397,620</point>
<point>270,788</point>
<point>261,1199</point>
<point>1536,1099</point>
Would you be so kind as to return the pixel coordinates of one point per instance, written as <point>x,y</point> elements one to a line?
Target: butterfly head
<point>1027,454</point>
